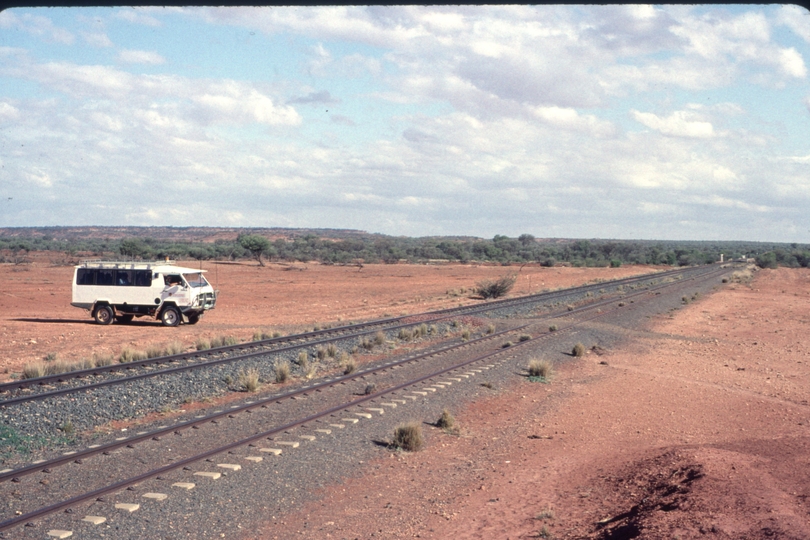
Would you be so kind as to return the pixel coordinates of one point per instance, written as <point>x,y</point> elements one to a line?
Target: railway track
<point>401,382</point>
<point>25,390</point>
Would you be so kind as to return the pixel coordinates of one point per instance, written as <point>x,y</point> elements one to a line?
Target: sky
<point>624,122</point>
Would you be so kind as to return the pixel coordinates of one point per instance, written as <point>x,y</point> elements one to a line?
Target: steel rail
<point>261,352</point>
<point>436,315</point>
<point>10,523</point>
<point>30,469</point>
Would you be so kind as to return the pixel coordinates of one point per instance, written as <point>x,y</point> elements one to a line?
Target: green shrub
<point>497,288</point>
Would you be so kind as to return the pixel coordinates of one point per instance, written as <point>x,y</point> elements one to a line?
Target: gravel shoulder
<point>699,427</point>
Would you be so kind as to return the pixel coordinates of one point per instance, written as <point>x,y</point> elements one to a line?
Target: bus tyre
<point>170,316</point>
<point>104,314</point>
<point>193,319</point>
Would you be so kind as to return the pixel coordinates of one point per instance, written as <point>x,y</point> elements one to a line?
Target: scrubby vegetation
<point>333,246</point>
<point>408,437</point>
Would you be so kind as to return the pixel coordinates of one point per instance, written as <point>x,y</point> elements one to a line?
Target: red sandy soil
<point>697,428</point>
<point>36,318</point>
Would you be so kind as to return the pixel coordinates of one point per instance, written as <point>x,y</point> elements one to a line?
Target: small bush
<point>154,351</point>
<point>175,347</point>
<point>578,350</point>
<point>491,329</point>
<point>68,428</point>
<point>546,513</point>
<point>497,288</point>
<point>540,368</point>
<point>379,338</point>
<point>59,366</point>
<point>50,357</point>
<point>408,437</point>
<point>257,335</point>
<point>370,389</point>
<point>446,420</point>
<point>320,352</point>
<point>507,345</point>
<point>303,360</point>
<point>404,334</point>
<point>230,340</point>
<point>34,370</point>
<point>102,360</point>
<point>552,328</point>
<point>249,379</point>
<point>202,344</point>
<point>524,337</point>
<point>348,365</point>
<point>423,329</point>
<point>282,371</point>
<point>465,335</point>
<point>331,350</point>
<point>216,342</point>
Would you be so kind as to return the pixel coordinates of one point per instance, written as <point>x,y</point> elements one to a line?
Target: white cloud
<point>567,118</point>
<point>796,18</point>
<point>137,15</point>
<point>36,25</point>
<point>8,111</point>
<point>141,57</point>
<point>97,39</point>
<point>792,63</point>
<point>678,124</point>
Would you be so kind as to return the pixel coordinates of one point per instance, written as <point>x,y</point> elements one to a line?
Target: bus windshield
<point>196,280</point>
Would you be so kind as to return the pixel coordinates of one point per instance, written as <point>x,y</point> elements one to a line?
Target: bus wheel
<point>170,316</point>
<point>104,315</point>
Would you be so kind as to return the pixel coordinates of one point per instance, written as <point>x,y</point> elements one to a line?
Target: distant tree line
<point>376,248</point>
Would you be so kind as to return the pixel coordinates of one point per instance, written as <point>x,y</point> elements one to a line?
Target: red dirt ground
<point>697,429</point>
<point>36,318</point>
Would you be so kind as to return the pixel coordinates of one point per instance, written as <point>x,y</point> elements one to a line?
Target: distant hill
<point>173,234</point>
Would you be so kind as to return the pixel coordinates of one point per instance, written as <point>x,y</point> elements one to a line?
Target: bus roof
<point>163,267</point>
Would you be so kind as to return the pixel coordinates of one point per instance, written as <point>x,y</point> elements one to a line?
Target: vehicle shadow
<point>82,321</point>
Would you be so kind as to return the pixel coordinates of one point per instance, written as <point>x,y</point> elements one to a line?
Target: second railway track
<point>391,381</point>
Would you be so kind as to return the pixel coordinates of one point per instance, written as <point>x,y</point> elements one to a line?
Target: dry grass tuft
<point>175,347</point>
<point>34,370</point>
<point>282,371</point>
<point>408,437</point>
<point>379,338</point>
<point>540,368</point>
<point>446,420</point>
<point>578,350</point>
<point>202,344</point>
<point>129,354</point>
<point>249,379</point>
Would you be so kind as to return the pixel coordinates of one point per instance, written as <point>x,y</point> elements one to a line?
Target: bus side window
<point>123,278</point>
<point>85,276</point>
<point>105,277</point>
<point>143,278</point>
